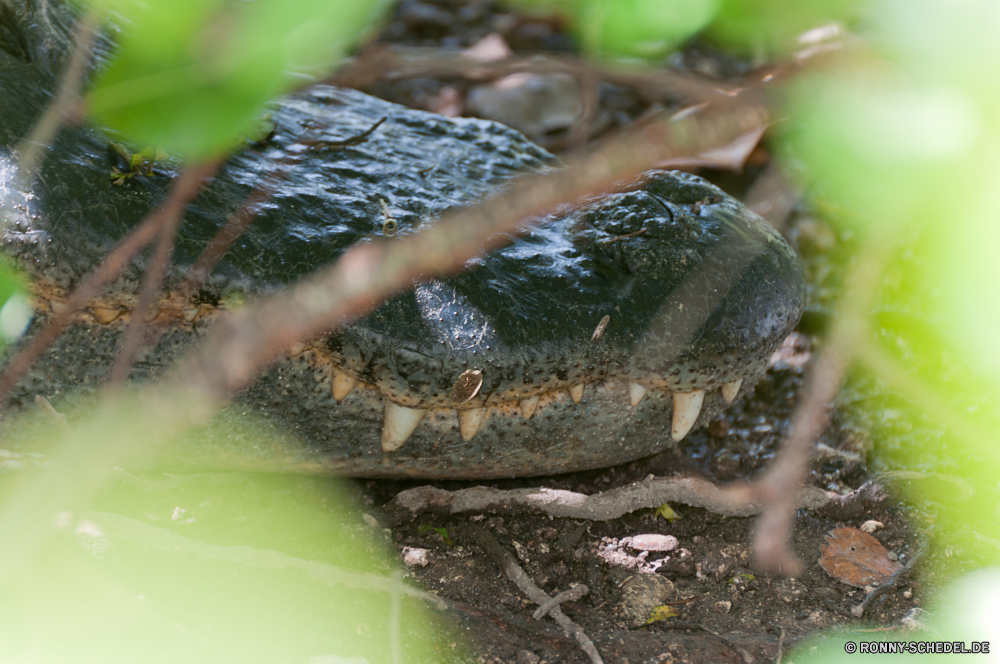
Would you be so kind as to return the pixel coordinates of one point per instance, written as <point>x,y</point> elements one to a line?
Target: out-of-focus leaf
<point>15,311</point>
<point>770,27</point>
<point>203,566</point>
<point>193,75</point>
<point>639,28</point>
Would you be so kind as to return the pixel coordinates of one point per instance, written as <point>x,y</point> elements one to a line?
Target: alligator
<point>602,333</point>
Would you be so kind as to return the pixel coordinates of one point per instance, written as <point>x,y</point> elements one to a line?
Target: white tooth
<point>296,348</point>
<point>635,393</point>
<point>730,390</point>
<point>528,407</point>
<point>191,313</point>
<point>343,383</point>
<point>469,421</point>
<point>576,392</point>
<point>687,407</point>
<point>399,423</point>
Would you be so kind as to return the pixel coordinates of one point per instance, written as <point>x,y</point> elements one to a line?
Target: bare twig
<point>242,343</point>
<point>736,500</point>
<point>533,592</point>
<point>67,98</point>
<point>190,180</point>
<point>571,595</point>
<point>241,219</point>
<point>779,486</point>
<point>382,62</point>
<point>180,193</point>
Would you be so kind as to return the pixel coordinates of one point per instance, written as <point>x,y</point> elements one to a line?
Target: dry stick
<point>65,101</point>
<point>241,219</point>
<point>737,500</point>
<point>533,592</point>
<point>778,487</point>
<point>244,342</point>
<point>190,181</point>
<point>107,271</point>
<point>571,595</point>
<point>393,63</point>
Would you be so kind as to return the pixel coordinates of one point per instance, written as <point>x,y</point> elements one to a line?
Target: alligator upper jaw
<point>399,421</point>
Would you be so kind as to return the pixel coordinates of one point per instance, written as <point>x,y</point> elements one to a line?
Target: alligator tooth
<point>470,420</point>
<point>576,392</point>
<point>635,393</point>
<point>296,348</point>
<point>343,383</point>
<point>58,307</point>
<point>687,407</point>
<point>528,406</point>
<point>399,423</point>
<point>191,313</point>
<point>730,390</point>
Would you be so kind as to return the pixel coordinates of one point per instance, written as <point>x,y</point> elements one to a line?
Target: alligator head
<point>599,335</point>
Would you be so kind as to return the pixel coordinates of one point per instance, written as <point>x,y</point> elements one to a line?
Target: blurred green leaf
<point>194,75</point>
<point>638,29</point>
<point>771,27</point>
<point>15,310</point>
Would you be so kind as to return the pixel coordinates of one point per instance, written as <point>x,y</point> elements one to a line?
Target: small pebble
<point>414,557</point>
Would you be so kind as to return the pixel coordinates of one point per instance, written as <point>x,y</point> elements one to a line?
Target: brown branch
<point>242,343</point>
<point>736,500</point>
<point>242,218</point>
<point>524,583</point>
<point>778,487</point>
<point>382,62</point>
<point>189,182</point>
<point>65,103</point>
<point>107,271</point>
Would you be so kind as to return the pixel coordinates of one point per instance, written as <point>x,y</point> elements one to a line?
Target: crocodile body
<point>602,334</point>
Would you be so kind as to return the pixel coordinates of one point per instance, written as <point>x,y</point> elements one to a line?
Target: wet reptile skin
<point>695,289</point>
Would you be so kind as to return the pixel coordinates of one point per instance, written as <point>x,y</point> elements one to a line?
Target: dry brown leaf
<point>856,558</point>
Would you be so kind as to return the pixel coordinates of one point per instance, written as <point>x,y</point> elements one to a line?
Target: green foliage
<point>14,308</point>
<point>770,27</point>
<point>193,76</point>
<point>640,29</point>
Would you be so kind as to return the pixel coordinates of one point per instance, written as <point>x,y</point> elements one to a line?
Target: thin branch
<point>66,101</point>
<point>242,343</point>
<point>190,180</point>
<point>736,500</point>
<point>242,218</point>
<point>533,592</point>
<point>772,548</point>
<point>180,193</point>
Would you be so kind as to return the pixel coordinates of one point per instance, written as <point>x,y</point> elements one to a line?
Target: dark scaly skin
<point>697,291</point>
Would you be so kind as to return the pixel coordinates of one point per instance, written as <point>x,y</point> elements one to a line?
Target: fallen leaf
<point>661,612</point>
<point>856,558</point>
<point>667,512</point>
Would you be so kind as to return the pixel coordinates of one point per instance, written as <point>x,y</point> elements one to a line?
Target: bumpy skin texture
<point>696,289</point>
